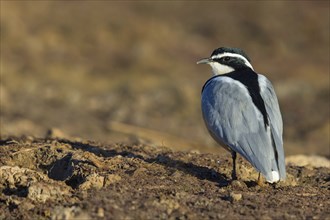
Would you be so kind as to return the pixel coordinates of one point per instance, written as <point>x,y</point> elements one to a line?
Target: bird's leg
<point>233,174</point>
<point>259,182</point>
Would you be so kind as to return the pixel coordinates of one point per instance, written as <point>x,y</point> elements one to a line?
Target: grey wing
<point>233,120</point>
<point>267,93</point>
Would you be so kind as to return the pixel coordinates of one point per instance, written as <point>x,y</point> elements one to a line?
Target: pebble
<point>235,196</point>
<point>100,212</point>
<point>238,184</point>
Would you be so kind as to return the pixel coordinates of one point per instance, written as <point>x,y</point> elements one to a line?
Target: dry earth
<point>71,179</point>
<point>112,70</point>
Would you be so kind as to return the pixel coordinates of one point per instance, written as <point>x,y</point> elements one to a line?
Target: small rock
<point>139,171</point>
<point>93,181</point>
<point>100,212</point>
<point>236,184</point>
<point>26,205</point>
<point>289,181</point>
<point>235,196</point>
<point>176,175</point>
<point>111,178</point>
<point>43,191</point>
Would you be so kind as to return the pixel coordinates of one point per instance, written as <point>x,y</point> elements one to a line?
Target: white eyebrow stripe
<point>226,54</point>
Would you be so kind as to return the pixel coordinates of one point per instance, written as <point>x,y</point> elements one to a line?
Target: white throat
<point>218,69</point>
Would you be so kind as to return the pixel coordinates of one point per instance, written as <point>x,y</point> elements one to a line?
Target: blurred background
<point>115,71</point>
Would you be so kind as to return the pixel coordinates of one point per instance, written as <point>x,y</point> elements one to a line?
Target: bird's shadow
<point>200,172</point>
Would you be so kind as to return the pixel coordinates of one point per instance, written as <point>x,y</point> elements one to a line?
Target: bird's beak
<point>204,61</point>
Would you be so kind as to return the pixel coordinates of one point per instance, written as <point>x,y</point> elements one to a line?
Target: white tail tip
<point>275,177</point>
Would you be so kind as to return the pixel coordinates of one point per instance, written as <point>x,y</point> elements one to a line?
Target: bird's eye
<point>226,59</point>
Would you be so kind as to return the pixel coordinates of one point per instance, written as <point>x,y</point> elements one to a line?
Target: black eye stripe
<point>222,59</point>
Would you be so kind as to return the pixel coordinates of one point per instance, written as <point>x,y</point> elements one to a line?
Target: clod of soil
<point>63,179</point>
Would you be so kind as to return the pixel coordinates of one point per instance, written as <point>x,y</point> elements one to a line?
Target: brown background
<point>84,66</point>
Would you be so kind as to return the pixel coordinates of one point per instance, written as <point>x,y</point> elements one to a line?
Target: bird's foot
<point>260,181</point>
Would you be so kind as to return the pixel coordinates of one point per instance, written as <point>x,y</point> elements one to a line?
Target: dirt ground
<point>73,179</point>
<point>125,72</point>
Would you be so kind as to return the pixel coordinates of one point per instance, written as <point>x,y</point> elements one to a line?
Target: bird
<point>241,112</point>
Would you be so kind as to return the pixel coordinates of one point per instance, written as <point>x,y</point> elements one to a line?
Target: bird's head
<point>225,60</point>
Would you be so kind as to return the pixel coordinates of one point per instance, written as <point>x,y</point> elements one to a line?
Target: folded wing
<point>233,120</point>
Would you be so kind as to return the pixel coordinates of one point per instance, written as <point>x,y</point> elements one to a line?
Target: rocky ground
<point>125,72</point>
<point>73,179</point>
